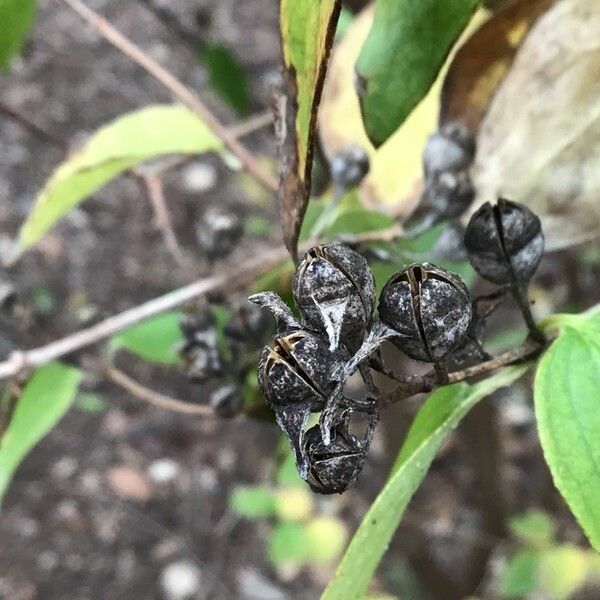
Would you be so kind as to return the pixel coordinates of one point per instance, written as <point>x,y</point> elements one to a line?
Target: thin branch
<point>24,360</point>
<point>154,189</point>
<point>33,128</point>
<point>251,124</point>
<point>153,397</point>
<point>237,278</point>
<point>177,88</point>
<point>428,382</point>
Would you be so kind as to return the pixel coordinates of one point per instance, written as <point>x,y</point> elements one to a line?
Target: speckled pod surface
<point>333,468</point>
<point>334,291</point>
<point>504,242</point>
<point>429,307</point>
<point>299,368</point>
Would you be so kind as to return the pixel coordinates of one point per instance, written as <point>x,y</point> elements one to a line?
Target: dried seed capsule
<point>334,290</point>
<point>450,194</point>
<point>297,374</point>
<point>226,401</point>
<point>219,231</point>
<point>504,242</point>
<point>299,367</point>
<point>452,148</point>
<point>349,167</point>
<point>430,309</point>
<point>335,467</point>
<point>200,352</point>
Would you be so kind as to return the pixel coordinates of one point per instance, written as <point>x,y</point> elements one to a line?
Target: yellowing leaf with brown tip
<point>307,32</point>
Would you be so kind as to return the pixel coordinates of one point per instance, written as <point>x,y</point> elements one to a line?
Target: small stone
<point>199,177</point>
<point>47,560</point>
<point>129,483</point>
<point>207,478</point>
<point>164,470</point>
<point>180,580</point>
<point>64,468</point>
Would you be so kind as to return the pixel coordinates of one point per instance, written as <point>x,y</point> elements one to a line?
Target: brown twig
<point>152,396</point>
<point>428,382</point>
<point>33,128</point>
<point>178,89</point>
<point>154,189</point>
<point>22,361</point>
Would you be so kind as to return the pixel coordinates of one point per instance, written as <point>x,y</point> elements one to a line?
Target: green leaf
<point>288,544</point>
<point>567,408</point>
<point>307,33</point>
<point>326,538</point>
<point>16,19</point>
<point>520,576</point>
<point>555,572</point>
<point>45,399</point>
<point>406,47</point>
<point>358,220</point>
<point>535,528</point>
<point>440,414</point>
<point>294,503</point>
<point>253,502</point>
<point>277,279</point>
<point>226,76</point>
<point>89,403</point>
<point>129,140</point>
<point>258,226</point>
<point>345,20</point>
<point>287,474</point>
<point>564,569</point>
<point>156,339</point>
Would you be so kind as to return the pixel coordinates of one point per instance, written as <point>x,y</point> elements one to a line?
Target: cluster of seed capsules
<point>424,310</point>
<point>217,359</point>
<point>447,158</point>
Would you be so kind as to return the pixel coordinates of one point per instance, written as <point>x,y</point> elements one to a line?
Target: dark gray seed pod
<point>349,167</point>
<point>334,290</point>
<point>202,361</point>
<point>218,231</point>
<point>452,148</point>
<point>429,308</point>
<point>297,375</point>
<point>200,351</point>
<point>450,193</point>
<point>299,368</point>
<point>226,401</point>
<point>333,468</point>
<point>504,242</point>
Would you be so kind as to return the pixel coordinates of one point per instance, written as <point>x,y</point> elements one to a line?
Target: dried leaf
<point>307,33</point>
<point>539,142</point>
<point>482,62</point>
